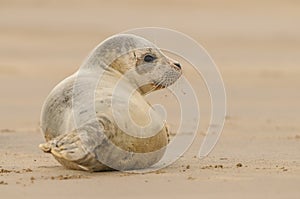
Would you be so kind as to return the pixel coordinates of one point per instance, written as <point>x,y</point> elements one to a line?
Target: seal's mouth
<point>169,78</point>
<point>162,84</point>
<point>159,86</point>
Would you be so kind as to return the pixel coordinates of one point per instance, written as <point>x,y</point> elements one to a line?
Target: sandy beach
<point>256,46</point>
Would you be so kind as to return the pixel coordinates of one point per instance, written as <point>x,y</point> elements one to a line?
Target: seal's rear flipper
<point>70,152</point>
<point>46,147</point>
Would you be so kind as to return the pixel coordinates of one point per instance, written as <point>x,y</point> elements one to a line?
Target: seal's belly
<point>133,119</point>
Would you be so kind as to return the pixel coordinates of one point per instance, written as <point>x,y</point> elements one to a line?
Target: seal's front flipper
<point>70,152</point>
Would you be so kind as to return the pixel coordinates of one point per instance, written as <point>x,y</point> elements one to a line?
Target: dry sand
<point>256,46</point>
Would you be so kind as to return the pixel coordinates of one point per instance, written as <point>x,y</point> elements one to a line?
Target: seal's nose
<point>178,65</point>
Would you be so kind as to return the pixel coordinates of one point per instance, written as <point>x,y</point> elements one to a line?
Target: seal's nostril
<point>178,65</point>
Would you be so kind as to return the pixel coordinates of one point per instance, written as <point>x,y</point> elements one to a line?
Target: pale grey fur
<point>88,146</point>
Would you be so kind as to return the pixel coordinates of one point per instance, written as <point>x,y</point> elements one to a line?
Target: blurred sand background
<point>256,45</point>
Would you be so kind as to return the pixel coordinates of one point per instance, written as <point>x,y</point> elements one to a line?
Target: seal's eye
<point>149,58</point>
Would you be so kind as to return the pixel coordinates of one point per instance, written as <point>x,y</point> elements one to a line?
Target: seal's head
<point>140,61</point>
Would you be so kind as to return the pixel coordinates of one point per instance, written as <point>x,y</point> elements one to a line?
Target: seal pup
<point>136,67</point>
